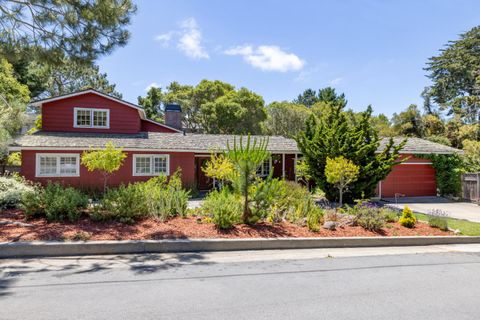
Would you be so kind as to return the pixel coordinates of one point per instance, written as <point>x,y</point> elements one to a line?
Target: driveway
<point>460,210</point>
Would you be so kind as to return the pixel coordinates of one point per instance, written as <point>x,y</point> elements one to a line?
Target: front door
<point>203,182</point>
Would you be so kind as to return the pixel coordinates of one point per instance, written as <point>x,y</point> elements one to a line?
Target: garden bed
<point>180,228</point>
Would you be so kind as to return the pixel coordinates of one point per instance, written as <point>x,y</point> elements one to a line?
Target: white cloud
<point>336,81</point>
<point>152,85</point>
<point>188,39</point>
<point>268,58</point>
<point>190,42</point>
<point>165,38</point>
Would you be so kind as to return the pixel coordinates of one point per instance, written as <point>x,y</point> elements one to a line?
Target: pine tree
<point>333,135</point>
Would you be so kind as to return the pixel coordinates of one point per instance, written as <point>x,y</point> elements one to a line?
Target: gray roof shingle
<point>201,143</point>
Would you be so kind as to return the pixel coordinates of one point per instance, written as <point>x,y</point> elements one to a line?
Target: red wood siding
<point>94,180</point>
<point>414,178</point>
<point>59,115</point>
<point>289,166</point>
<point>153,127</point>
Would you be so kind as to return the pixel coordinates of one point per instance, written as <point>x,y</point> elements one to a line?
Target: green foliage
<point>471,156</point>
<point>437,221</point>
<point>294,204</point>
<point>224,208</point>
<point>448,169</point>
<point>106,160</point>
<point>32,203</point>
<point>125,204</point>
<point>341,172</point>
<point>327,95</point>
<point>454,73</point>
<point>389,215</point>
<point>12,190</point>
<point>159,197</point>
<point>333,135</point>
<point>246,158</point>
<point>314,219</point>
<point>264,194</point>
<point>467,228</point>
<point>221,168</point>
<point>237,112</point>
<point>369,217</point>
<point>62,203</point>
<point>81,30</point>
<point>286,119</point>
<point>13,98</point>
<point>217,107</point>
<point>407,219</point>
<point>14,159</point>
<point>165,199</point>
<point>409,122</point>
<point>69,76</point>
<point>55,202</point>
<point>152,104</point>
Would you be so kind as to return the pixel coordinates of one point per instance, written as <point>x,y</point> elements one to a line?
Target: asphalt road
<point>403,283</point>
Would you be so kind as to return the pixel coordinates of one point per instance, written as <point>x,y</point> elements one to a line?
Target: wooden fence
<point>471,186</point>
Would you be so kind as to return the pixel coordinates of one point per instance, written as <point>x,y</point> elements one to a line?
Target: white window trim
<point>58,156</point>
<point>151,174</point>
<point>91,110</point>
<point>270,171</point>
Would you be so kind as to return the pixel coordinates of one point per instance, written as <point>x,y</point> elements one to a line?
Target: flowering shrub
<point>11,191</point>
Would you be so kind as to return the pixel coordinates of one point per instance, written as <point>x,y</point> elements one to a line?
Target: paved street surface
<point>459,210</point>
<point>436,282</point>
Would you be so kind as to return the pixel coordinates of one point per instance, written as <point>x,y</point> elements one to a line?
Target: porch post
<point>295,168</point>
<point>283,165</point>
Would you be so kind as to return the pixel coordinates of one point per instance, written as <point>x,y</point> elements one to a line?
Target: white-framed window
<point>151,164</point>
<point>57,165</point>
<point>91,118</point>
<point>264,168</point>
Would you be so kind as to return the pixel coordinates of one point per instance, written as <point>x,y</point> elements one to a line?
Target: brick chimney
<point>173,115</point>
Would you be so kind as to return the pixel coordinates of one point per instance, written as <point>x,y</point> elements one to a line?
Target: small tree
<point>246,158</point>
<point>341,172</point>
<point>106,160</point>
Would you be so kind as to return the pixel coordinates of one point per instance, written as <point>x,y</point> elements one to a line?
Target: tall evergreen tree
<point>332,136</point>
<point>152,104</point>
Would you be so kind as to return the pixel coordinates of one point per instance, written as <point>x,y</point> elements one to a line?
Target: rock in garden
<point>330,225</point>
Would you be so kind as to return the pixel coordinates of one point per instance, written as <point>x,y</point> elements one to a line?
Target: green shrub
<point>438,219</point>
<point>389,215</point>
<point>224,208</point>
<point>407,219</point>
<point>55,202</point>
<point>11,191</point>
<point>159,197</point>
<point>264,194</point>
<point>32,202</point>
<point>315,219</point>
<point>164,199</point>
<point>296,204</point>
<point>62,203</point>
<point>369,218</point>
<point>125,204</point>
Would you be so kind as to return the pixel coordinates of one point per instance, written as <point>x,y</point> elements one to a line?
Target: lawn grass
<point>467,228</point>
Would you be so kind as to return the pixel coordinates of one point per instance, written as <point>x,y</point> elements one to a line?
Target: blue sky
<point>373,51</point>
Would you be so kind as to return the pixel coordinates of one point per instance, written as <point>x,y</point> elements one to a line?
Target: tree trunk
<point>341,196</point>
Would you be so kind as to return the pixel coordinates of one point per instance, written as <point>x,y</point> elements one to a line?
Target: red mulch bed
<point>179,228</point>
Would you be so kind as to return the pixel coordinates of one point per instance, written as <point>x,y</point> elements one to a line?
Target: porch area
<point>281,165</point>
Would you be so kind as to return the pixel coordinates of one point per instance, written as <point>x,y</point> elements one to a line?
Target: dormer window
<point>91,118</point>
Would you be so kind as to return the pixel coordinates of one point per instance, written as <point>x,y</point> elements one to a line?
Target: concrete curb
<point>51,249</point>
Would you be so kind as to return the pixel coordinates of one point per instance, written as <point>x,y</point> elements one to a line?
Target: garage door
<point>410,180</point>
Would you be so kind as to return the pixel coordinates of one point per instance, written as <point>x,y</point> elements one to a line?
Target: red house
<point>88,119</point>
